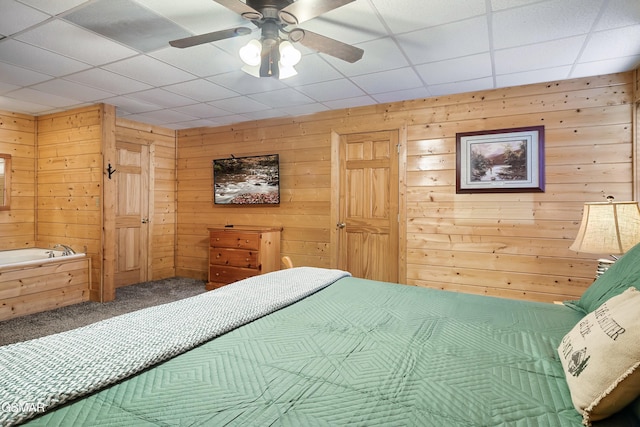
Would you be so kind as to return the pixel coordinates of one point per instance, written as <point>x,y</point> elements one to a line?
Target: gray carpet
<point>128,298</point>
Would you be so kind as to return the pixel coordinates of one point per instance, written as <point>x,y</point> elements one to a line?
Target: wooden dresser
<point>239,252</point>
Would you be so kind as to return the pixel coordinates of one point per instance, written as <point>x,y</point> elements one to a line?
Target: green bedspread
<point>358,353</point>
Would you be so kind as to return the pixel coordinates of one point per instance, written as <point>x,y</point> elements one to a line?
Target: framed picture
<point>503,160</point>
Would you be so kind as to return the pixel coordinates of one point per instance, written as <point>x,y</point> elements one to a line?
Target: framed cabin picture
<point>503,160</point>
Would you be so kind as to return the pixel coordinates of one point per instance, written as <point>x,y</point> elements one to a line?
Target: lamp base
<point>603,265</point>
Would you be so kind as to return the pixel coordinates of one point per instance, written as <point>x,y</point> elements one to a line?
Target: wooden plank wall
<point>17,138</point>
<point>69,184</point>
<point>512,245</point>
<point>162,146</point>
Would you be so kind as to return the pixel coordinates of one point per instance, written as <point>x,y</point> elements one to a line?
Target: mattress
<point>357,352</point>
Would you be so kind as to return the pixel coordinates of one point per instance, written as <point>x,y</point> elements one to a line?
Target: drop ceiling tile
<point>6,87</point>
<point>239,105</point>
<point>163,117</point>
<point>20,76</point>
<point>359,101</point>
<point>128,23</point>
<point>243,83</point>
<point>162,98</point>
<point>11,104</point>
<point>379,55</point>
<point>612,43</point>
<point>327,91</point>
<point>605,67</point>
<point>456,70</point>
<point>16,17</point>
<point>544,21</point>
<point>265,114</point>
<point>43,98</point>
<point>620,13</point>
<point>53,7</point>
<point>302,110</point>
<point>536,76</point>
<point>202,111</point>
<point>34,58</point>
<point>201,90</point>
<point>108,81</point>
<point>388,81</point>
<point>540,55</point>
<point>281,98</point>
<point>72,90</point>
<point>202,61</point>
<point>138,68</point>
<point>446,41</point>
<point>402,95</point>
<point>510,4</point>
<point>402,16</point>
<point>461,87</point>
<point>131,106</point>
<point>75,42</point>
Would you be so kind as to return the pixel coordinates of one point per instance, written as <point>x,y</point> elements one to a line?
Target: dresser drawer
<point>223,274</point>
<point>234,257</point>
<point>235,240</point>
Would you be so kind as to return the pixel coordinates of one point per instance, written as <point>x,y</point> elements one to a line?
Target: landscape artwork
<point>247,180</point>
<point>509,160</point>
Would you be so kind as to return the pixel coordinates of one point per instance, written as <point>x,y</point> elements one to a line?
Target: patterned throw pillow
<point>600,357</point>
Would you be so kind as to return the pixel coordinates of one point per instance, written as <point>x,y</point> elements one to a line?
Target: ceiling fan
<point>273,17</point>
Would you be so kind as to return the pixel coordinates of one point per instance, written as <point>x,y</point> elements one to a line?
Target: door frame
<point>337,199</point>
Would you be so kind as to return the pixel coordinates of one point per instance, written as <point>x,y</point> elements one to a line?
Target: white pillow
<point>600,357</point>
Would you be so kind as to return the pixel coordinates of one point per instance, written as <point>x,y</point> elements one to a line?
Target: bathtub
<point>29,256</point>
<point>31,280</point>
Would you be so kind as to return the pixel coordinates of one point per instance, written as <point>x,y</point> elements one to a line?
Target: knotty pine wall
<point>511,245</point>
<point>57,183</point>
<point>17,138</point>
<point>69,184</point>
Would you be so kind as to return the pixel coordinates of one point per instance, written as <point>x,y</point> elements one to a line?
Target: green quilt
<point>358,352</point>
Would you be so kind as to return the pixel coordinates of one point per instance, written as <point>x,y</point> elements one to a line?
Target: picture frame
<point>500,161</point>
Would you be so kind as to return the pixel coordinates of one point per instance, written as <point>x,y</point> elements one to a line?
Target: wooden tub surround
<point>33,286</point>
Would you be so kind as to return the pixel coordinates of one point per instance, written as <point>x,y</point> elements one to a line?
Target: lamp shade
<point>608,227</point>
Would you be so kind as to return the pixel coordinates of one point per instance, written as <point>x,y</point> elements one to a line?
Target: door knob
<point>341,225</point>
<point>145,220</point>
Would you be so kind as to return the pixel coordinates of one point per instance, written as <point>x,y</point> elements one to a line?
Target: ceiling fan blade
<point>210,37</point>
<point>323,44</point>
<point>241,9</point>
<point>304,10</point>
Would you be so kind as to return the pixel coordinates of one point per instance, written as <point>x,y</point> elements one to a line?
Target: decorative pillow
<point>621,275</point>
<point>600,357</point>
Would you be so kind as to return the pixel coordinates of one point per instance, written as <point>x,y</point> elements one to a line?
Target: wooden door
<point>368,207</point>
<point>132,213</point>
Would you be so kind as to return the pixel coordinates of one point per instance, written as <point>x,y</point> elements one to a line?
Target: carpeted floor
<point>128,298</point>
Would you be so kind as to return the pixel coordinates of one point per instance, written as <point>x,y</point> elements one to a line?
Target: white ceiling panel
<point>67,89</point>
<point>412,49</point>
<point>108,81</point>
<point>16,17</point>
<point>139,68</point>
<point>388,81</point>
<point>36,59</point>
<point>456,70</point>
<point>446,41</point>
<point>201,90</point>
<point>74,42</point>
<point>544,21</point>
<point>523,58</point>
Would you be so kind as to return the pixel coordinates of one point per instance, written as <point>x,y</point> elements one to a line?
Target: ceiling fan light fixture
<point>286,72</point>
<point>289,55</point>
<point>251,53</point>
<point>252,70</point>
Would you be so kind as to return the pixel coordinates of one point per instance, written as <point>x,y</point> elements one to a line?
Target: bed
<point>309,346</point>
